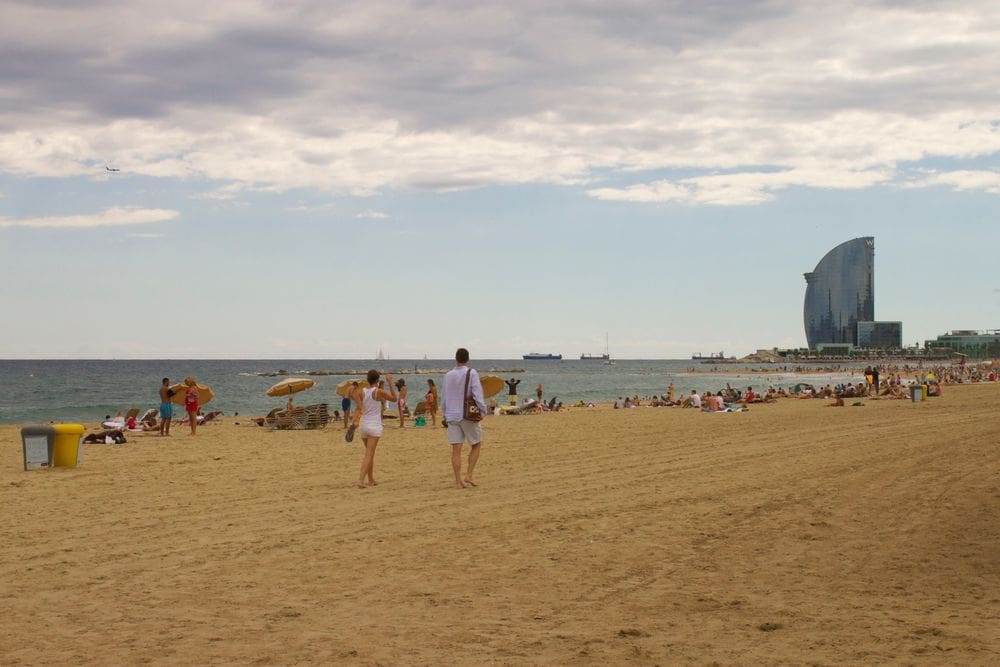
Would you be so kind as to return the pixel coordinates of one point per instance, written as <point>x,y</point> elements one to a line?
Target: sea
<point>43,391</point>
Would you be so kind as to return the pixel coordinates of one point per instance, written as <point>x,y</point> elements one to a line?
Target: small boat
<point>537,356</point>
<point>606,357</point>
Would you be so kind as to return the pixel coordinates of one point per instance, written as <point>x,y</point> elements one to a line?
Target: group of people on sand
<point>708,401</point>
<point>191,405</point>
<point>349,404</point>
<point>154,420</point>
<point>461,390</point>
<point>873,387</point>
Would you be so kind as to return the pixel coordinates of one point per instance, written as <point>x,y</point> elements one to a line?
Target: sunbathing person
<point>692,401</point>
<point>894,391</point>
<point>712,403</point>
<point>102,436</point>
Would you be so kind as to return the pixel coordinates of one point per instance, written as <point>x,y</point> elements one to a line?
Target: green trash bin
<point>66,449</point>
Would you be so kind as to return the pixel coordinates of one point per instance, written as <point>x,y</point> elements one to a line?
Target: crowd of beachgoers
<point>878,382</point>
<point>885,381</point>
<point>851,370</point>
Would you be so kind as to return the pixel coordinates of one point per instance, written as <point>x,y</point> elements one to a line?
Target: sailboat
<point>380,356</point>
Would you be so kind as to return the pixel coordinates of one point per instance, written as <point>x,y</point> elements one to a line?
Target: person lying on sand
<point>102,436</point>
<point>893,391</point>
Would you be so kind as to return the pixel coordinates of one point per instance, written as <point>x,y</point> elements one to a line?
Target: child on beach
<point>431,401</point>
<point>401,402</point>
<point>191,402</point>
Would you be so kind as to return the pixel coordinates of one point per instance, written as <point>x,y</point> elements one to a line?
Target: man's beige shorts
<point>465,431</point>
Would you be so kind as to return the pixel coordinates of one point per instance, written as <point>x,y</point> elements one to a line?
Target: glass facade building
<point>880,335</point>
<point>840,293</point>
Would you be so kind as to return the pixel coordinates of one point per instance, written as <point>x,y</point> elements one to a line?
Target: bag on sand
<point>471,410</point>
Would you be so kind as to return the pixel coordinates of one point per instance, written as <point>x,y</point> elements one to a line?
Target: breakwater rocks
<point>356,371</point>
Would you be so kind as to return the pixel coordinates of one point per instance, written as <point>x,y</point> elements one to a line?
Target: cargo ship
<point>606,357</point>
<point>536,356</point>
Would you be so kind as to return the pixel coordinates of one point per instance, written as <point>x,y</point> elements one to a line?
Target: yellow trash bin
<point>66,451</point>
<point>923,392</point>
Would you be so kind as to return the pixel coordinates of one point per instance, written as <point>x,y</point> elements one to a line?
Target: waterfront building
<point>840,294</point>
<point>974,344</point>
<point>880,335</point>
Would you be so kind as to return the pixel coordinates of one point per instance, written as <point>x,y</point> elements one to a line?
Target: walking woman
<point>368,421</point>
<point>431,401</point>
<point>191,402</point>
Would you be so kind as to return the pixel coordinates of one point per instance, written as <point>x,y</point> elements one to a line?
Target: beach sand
<point>793,534</point>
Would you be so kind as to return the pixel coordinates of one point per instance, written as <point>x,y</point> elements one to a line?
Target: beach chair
<point>286,419</point>
<point>299,417</point>
<point>263,421</point>
<point>317,416</point>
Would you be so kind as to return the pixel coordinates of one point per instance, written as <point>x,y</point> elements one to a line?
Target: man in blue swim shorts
<point>166,407</point>
<point>345,405</point>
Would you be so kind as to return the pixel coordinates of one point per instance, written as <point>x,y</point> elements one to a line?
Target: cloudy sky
<point>321,179</point>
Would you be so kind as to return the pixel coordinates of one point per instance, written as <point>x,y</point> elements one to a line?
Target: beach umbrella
<point>492,385</point>
<point>180,389</point>
<point>344,387</point>
<point>290,386</point>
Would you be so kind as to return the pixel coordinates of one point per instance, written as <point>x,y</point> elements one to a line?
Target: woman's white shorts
<point>369,430</point>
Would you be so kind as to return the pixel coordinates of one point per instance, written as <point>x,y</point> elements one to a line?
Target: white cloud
<point>111,217</point>
<point>741,188</point>
<point>223,193</point>
<point>962,180</point>
<point>350,99</point>
<point>372,215</point>
<point>303,207</point>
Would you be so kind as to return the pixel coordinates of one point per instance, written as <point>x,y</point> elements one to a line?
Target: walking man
<point>460,429</point>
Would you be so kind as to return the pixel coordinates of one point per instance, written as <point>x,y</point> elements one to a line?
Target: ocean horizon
<point>85,390</point>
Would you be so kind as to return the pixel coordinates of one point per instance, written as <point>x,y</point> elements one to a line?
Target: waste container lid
<point>68,429</point>
<point>37,429</point>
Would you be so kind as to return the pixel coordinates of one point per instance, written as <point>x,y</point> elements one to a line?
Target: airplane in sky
<point>112,168</point>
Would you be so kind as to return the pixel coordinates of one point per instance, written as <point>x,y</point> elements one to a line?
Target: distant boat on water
<point>711,355</point>
<point>606,357</point>
<point>538,356</point>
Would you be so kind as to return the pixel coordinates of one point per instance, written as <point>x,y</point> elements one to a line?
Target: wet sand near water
<point>794,533</point>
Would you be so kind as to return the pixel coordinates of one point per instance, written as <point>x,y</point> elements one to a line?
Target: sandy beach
<point>791,534</point>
